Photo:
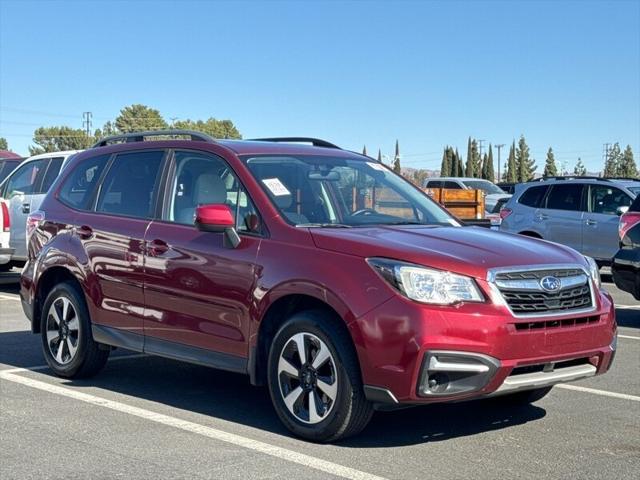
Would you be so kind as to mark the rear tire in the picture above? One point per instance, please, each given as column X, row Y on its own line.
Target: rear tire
column 321, row 398
column 527, row 396
column 67, row 342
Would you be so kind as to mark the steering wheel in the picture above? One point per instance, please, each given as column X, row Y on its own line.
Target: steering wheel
column 364, row 211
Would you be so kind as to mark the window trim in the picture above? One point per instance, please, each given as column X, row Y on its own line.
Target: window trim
column 46, row 172
column 90, row 201
column 165, row 202
column 543, row 199
column 96, row 194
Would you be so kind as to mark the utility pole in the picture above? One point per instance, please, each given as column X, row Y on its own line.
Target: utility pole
column 480, row 147
column 499, row 147
column 86, row 122
column 605, row 155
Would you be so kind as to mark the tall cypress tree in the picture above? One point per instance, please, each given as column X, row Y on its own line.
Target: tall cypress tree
column 484, row 167
column 474, row 163
column 364, row 150
column 612, row 161
column 511, row 172
column 491, row 174
column 550, row 168
column 469, row 167
column 460, row 162
column 627, row 166
column 396, row 160
column 526, row 165
column 445, row 166
column 453, row 170
column 379, row 156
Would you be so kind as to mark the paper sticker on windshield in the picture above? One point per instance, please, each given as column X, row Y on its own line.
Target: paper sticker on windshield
column 276, row 187
column 376, row 166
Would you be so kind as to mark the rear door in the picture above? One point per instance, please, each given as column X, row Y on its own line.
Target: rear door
column 562, row 217
column 50, row 175
column 600, row 227
column 112, row 235
column 18, row 191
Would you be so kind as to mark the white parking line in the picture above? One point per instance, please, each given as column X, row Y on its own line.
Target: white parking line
column 628, row 307
column 46, row 367
column 604, row 393
column 220, row 435
column 15, row 298
column 628, row 336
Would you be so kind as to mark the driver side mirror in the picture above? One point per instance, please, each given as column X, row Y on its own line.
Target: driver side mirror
column 217, row 218
column 622, row 210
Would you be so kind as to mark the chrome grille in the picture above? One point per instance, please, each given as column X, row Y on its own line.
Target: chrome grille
column 522, row 291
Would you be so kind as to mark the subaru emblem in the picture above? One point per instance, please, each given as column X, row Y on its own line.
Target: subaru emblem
column 550, row 284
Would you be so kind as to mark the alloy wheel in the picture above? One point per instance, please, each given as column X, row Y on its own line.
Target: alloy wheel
column 308, row 379
column 63, row 334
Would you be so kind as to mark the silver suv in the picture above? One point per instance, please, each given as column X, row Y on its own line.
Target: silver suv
column 581, row 212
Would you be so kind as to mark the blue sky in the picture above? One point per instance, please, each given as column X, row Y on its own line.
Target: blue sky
column 564, row 74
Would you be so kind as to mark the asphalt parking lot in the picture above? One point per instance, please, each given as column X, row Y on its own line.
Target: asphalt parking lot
column 146, row 417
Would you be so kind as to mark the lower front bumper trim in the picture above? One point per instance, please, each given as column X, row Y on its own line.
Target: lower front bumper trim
column 530, row 381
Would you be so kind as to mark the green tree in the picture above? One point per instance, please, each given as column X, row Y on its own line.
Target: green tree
column 55, row 139
column 526, row 164
column 364, row 150
column 484, row 167
column 3, row 144
column 627, row 166
column 469, row 167
column 420, row 177
column 447, row 159
column 454, row 165
column 379, row 156
column 460, row 163
column 137, row 118
column 550, row 168
column 474, row 162
column 511, row 172
column 396, row 160
column 212, row 127
column 580, row 170
column 611, row 164
column 491, row 173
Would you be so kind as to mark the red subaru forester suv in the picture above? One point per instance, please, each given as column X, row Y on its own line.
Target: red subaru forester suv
column 316, row 271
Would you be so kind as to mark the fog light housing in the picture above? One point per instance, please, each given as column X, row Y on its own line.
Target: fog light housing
column 447, row 373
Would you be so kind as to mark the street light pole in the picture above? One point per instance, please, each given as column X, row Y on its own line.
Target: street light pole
column 499, row 147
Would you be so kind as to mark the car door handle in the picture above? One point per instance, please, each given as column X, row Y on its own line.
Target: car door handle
column 542, row 216
column 84, row 232
column 26, row 208
column 156, row 247
column 591, row 222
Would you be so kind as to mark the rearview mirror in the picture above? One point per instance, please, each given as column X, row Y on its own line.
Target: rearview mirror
column 622, row 210
column 218, row 217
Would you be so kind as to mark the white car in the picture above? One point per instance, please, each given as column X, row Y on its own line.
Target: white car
column 20, row 194
column 493, row 193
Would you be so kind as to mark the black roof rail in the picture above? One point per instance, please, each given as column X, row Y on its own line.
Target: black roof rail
column 140, row 136
column 316, row 142
column 567, row 177
column 632, row 179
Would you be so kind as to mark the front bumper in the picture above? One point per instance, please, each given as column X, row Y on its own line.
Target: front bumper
column 478, row 350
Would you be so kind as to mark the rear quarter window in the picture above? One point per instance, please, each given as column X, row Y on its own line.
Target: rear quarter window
column 532, row 197
column 79, row 186
column 635, row 206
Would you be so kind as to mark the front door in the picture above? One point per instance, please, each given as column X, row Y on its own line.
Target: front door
column 19, row 190
column 198, row 292
column 561, row 220
column 600, row 227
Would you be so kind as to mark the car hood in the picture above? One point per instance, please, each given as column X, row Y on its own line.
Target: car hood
column 465, row 250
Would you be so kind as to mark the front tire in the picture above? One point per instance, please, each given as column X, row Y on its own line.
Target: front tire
column 65, row 327
column 314, row 379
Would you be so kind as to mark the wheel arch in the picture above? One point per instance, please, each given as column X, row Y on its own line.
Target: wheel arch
column 530, row 233
column 47, row 280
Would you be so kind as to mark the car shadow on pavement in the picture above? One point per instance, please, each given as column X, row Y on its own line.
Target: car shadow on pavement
column 230, row 397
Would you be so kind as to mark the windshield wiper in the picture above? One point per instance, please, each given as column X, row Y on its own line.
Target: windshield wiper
column 405, row 223
column 324, row 225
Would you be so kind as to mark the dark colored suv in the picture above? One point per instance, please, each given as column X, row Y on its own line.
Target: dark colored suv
column 626, row 263
column 316, row 271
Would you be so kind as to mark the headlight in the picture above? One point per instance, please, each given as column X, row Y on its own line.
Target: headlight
column 594, row 271
column 427, row 285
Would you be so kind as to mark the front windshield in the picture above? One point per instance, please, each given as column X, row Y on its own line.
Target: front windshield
column 635, row 190
column 324, row 191
column 488, row 187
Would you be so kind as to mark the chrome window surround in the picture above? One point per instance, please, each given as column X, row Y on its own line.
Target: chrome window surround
column 497, row 294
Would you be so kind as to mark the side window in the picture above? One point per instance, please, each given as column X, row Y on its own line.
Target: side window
column 607, row 200
column 532, row 197
column 25, row 179
column 79, row 186
column 565, row 197
column 52, row 173
column 434, row 184
column 452, row 185
column 130, row 184
column 203, row 179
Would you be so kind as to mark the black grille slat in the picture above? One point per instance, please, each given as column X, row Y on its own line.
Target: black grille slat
column 526, row 301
